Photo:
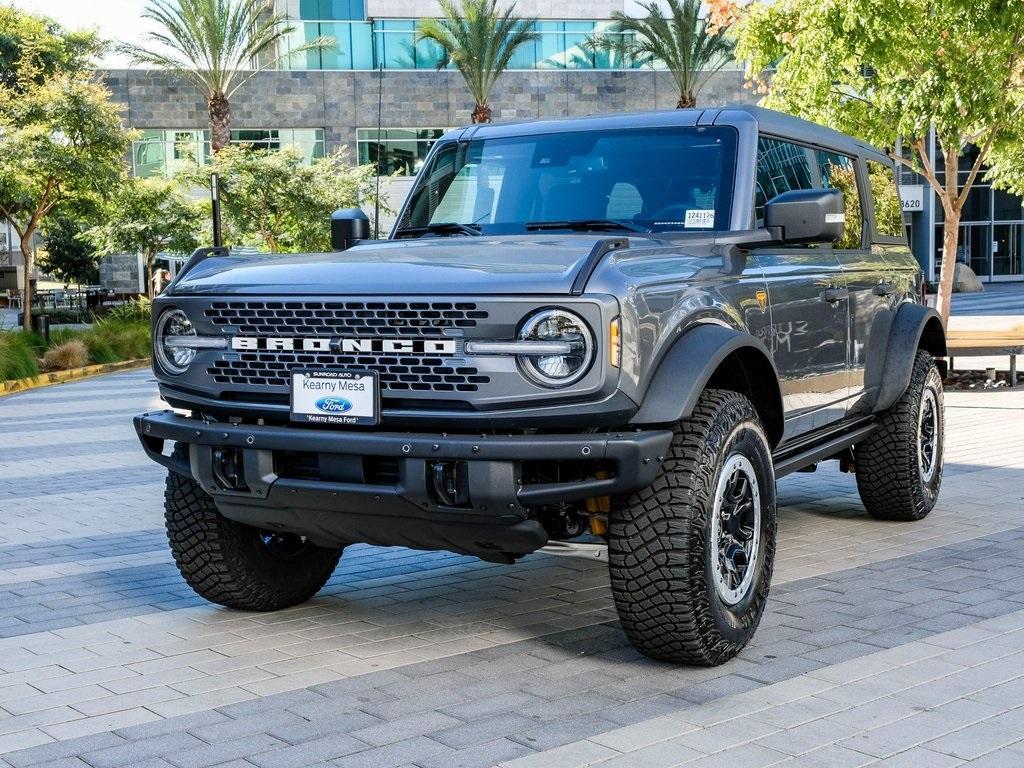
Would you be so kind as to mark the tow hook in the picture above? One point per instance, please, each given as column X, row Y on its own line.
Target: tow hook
column 450, row 483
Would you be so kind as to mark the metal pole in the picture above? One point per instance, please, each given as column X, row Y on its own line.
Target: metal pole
column 380, row 145
column 215, row 199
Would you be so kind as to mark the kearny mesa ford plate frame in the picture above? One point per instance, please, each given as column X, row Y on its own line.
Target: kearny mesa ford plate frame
column 334, row 396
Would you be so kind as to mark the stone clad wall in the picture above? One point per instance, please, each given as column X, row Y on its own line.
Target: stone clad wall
column 342, row 101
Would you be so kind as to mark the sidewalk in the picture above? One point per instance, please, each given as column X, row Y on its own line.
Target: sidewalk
column 882, row 644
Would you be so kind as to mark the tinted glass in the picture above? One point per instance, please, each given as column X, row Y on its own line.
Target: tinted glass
column 661, row 179
column 839, row 172
column 781, row 166
column 885, row 197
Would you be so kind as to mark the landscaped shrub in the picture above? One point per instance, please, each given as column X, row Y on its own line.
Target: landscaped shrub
column 138, row 311
column 110, row 340
column 99, row 350
column 70, row 354
column 17, row 355
column 126, row 340
column 64, row 316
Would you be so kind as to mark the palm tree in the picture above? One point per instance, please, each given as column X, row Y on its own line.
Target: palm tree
column 681, row 41
column 218, row 46
column 480, row 40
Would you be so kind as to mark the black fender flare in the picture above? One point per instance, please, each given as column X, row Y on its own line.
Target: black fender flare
column 914, row 327
column 691, row 364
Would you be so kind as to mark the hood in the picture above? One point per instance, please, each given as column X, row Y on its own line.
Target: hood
column 513, row 264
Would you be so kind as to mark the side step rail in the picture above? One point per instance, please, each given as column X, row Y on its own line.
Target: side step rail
column 788, row 462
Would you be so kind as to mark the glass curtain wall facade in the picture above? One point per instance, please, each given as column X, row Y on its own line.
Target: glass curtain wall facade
column 390, row 43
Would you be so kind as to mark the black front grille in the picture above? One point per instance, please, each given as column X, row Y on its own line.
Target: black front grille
column 397, row 373
column 342, row 318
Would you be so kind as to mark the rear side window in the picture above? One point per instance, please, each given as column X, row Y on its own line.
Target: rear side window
column 781, row 167
column 839, row 172
column 885, row 197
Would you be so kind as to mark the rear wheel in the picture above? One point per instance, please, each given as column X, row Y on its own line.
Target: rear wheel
column 234, row 564
column 691, row 557
column 899, row 465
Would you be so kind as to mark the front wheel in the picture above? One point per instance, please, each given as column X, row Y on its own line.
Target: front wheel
column 691, row 557
column 234, row 564
column 899, row 465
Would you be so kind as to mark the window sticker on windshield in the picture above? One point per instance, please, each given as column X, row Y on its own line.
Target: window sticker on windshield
column 700, row 218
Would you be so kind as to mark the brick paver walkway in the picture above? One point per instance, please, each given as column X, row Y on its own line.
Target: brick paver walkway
column 882, row 642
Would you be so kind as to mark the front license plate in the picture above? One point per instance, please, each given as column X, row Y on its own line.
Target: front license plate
column 335, row 397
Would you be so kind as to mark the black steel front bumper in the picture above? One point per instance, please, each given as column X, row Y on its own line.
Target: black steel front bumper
column 494, row 522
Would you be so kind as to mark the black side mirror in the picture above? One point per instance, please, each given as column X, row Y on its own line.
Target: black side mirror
column 348, row 225
column 806, row 216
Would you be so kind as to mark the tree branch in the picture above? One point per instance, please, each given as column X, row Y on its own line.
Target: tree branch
column 982, row 154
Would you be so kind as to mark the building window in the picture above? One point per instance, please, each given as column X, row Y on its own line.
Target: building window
column 392, row 44
column 336, row 10
column 400, row 150
column 165, row 152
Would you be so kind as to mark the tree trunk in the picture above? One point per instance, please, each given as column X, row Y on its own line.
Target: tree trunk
column 150, row 288
column 950, row 240
column 686, row 101
column 220, row 122
column 26, row 258
column 950, row 234
column 482, row 113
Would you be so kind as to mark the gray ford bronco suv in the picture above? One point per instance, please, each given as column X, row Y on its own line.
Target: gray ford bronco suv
column 606, row 336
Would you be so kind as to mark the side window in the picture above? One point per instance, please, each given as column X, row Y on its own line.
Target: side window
column 781, row 166
column 839, row 172
column 885, row 196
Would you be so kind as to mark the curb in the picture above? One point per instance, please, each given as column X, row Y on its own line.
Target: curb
column 59, row 377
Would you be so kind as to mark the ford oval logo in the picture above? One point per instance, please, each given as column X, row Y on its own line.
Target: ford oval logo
column 333, row 405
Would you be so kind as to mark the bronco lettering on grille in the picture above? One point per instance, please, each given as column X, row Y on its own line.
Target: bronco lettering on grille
column 344, row 346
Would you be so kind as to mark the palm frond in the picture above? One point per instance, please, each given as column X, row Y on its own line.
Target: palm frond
column 218, row 45
column 479, row 39
column 679, row 40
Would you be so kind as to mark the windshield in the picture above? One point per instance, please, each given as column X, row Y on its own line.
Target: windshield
column 639, row 179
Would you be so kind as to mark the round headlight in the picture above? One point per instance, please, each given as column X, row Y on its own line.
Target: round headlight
column 560, row 326
column 170, row 328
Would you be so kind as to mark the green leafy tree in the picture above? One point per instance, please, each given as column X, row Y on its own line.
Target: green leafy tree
column 218, row 46
column 34, row 48
column 278, row 202
column 683, row 42
column 149, row 216
column 479, row 38
column 890, row 73
column 67, row 254
column 61, row 140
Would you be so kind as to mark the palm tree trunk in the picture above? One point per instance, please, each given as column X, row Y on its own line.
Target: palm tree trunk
column 686, row 101
column 482, row 113
column 220, row 122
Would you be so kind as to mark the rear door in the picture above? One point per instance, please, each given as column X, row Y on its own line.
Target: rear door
column 809, row 306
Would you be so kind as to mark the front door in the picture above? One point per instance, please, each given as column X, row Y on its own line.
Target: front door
column 809, row 311
column 808, row 299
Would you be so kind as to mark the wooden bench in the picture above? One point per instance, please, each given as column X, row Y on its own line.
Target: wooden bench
column 987, row 344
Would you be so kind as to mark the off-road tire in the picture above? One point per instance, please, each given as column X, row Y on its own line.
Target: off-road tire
column 659, row 540
column 227, row 562
column 888, row 462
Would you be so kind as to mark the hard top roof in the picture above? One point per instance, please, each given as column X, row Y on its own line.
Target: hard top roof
column 767, row 121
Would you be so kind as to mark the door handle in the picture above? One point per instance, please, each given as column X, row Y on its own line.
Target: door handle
column 884, row 289
column 834, row 295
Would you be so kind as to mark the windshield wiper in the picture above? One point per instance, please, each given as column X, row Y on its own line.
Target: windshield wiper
column 441, row 228
column 585, row 225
